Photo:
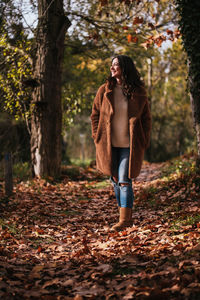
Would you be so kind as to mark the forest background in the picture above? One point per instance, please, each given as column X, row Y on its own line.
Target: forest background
column 55, row 238
column 145, row 30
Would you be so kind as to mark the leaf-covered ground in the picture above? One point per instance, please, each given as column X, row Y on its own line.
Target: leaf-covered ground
column 56, row 242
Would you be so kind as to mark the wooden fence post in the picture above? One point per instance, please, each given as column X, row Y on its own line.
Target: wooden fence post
column 8, row 174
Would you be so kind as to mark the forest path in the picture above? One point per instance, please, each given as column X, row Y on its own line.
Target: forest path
column 56, row 241
column 150, row 172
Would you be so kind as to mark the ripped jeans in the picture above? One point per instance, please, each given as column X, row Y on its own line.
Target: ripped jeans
column 120, row 167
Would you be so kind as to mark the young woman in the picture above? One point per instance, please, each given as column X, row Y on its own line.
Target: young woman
column 121, row 124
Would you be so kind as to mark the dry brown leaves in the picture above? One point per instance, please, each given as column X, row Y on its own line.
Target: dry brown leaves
column 56, row 243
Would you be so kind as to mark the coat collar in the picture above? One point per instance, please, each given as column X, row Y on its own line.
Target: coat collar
column 108, row 90
column 137, row 93
column 135, row 104
column 109, row 94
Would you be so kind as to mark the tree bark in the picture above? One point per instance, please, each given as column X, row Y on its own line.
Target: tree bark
column 190, row 26
column 195, row 105
column 46, row 122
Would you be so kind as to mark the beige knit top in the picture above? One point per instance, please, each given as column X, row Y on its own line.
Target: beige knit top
column 119, row 124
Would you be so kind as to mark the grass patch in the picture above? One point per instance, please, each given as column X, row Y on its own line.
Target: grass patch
column 21, row 171
column 192, row 220
column 80, row 163
column 180, row 181
column 185, row 220
column 37, row 241
column 99, row 185
column 185, row 164
column 10, row 227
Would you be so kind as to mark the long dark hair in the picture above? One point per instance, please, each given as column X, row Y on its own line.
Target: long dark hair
column 130, row 75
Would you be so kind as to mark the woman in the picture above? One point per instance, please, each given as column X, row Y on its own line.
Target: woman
column 121, row 124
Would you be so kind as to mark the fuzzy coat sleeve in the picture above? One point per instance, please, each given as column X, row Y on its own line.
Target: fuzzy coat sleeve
column 96, row 110
column 146, row 123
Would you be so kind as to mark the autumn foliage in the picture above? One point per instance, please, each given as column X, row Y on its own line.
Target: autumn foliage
column 56, row 243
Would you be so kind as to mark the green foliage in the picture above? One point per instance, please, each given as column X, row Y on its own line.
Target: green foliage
column 15, row 61
column 80, row 162
column 99, row 185
column 16, row 64
column 180, row 166
column 7, row 226
column 91, row 45
column 84, row 70
column 21, row 171
column 81, row 77
column 172, row 130
column 185, row 221
column 112, row 25
column 170, row 103
column 179, row 173
column 100, row 29
column 16, row 68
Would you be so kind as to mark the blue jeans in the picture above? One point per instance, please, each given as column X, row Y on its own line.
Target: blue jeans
column 120, row 167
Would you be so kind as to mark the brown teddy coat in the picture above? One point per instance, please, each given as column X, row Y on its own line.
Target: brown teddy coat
column 139, row 129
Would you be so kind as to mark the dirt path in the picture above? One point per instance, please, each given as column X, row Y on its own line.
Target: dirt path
column 56, row 242
column 150, row 172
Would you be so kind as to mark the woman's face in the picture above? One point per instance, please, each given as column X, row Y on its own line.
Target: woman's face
column 115, row 69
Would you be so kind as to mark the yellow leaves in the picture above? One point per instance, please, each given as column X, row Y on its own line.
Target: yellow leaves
column 82, row 65
column 16, row 65
column 3, row 41
column 94, row 64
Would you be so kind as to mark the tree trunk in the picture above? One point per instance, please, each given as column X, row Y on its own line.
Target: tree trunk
column 189, row 26
column 195, row 104
column 46, row 120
